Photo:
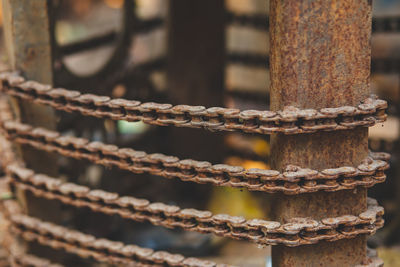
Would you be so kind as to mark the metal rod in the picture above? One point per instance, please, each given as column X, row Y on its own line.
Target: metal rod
column 320, row 57
column 27, row 34
column 26, row 26
column 195, row 69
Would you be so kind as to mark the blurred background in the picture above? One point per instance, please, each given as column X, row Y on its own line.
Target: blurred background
column 90, row 34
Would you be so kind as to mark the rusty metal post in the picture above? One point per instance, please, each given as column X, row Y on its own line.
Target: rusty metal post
column 195, row 75
column 320, row 57
column 27, row 34
column 196, row 68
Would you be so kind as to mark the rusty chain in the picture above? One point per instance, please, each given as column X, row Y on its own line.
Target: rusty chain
column 298, row 231
column 87, row 246
column 294, row 180
column 290, row 120
column 15, row 253
column 27, row 260
column 101, row 250
column 7, row 155
column 18, row 258
column 104, row 250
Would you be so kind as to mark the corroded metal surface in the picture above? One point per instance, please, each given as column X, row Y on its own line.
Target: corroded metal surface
column 28, row 42
column 320, row 57
column 298, row 231
column 251, row 59
column 289, row 120
column 102, row 250
column 261, row 22
column 27, row 260
column 26, row 28
column 291, row 180
column 320, row 53
column 320, row 80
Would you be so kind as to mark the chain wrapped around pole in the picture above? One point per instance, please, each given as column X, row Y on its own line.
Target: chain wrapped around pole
column 299, row 231
column 290, row 120
column 294, row 180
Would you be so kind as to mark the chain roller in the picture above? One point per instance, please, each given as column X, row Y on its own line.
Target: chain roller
column 102, row 250
column 294, row 180
column 27, row 260
column 6, row 156
column 299, row 231
column 291, row 120
column 83, row 245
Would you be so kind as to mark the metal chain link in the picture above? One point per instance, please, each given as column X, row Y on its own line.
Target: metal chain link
column 296, row 232
column 14, row 252
column 102, row 250
column 28, row 260
column 7, row 155
column 294, row 180
column 87, row 246
column 290, row 120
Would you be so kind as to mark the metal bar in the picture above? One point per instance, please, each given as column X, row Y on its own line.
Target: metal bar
column 88, row 44
column 143, row 27
column 28, row 42
column 320, row 57
column 196, row 67
column 27, row 33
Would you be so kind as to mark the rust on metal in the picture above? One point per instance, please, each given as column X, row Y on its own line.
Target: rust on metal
column 364, row 112
column 321, row 108
column 102, row 250
column 297, row 231
column 291, row 180
column 320, row 58
column 28, row 42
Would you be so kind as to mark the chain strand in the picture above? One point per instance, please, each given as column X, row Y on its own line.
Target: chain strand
column 102, row 250
column 28, row 260
column 290, row 120
column 87, row 246
column 294, row 180
column 299, row 231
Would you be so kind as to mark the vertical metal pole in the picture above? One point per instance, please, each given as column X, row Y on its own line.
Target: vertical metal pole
column 27, row 34
column 195, row 74
column 320, row 57
column 196, row 68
